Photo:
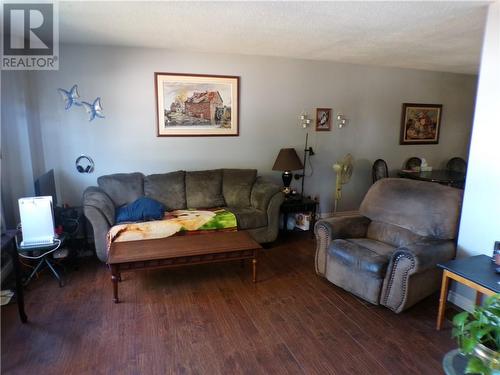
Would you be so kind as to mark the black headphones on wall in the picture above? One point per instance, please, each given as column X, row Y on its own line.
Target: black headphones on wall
column 87, row 167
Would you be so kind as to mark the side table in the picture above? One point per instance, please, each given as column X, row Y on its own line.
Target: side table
column 477, row 272
column 295, row 205
column 9, row 245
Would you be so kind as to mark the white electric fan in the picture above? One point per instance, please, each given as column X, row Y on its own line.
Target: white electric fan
column 343, row 170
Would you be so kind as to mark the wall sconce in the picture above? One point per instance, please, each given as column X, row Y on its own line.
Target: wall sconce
column 304, row 119
column 341, row 120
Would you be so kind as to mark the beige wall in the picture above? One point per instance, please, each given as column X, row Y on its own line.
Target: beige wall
column 273, row 93
column 480, row 224
column 480, row 221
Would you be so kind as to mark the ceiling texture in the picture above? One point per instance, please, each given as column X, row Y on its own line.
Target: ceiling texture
column 430, row 35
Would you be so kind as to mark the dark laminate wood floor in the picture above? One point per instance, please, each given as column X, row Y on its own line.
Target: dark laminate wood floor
column 212, row 319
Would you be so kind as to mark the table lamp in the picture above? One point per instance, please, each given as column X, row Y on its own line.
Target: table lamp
column 287, row 161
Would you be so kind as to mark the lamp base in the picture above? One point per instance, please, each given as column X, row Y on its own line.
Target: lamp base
column 287, row 179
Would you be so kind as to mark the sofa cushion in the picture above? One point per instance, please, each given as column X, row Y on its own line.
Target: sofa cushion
column 204, row 189
column 122, row 188
column 142, row 209
column 249, row 217
column 362, row 254
column 167, row 188
column 237, row 186
column 262, row 193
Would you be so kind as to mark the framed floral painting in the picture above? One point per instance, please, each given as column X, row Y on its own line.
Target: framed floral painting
column 420, row 124
column 197, row 105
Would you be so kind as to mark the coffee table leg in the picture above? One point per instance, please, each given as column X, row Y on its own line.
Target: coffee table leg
column 114, row 279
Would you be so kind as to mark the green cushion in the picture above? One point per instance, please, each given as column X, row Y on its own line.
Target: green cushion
column 249, row 217
column 204, row 189
column 167, row 188
column 237, row 186
column 122, row 188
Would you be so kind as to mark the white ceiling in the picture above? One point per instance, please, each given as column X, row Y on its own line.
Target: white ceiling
column 440, row 36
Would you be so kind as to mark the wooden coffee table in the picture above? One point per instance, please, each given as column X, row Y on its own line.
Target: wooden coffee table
column 180, row 251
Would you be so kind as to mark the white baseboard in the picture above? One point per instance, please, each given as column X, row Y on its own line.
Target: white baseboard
column 460, row 301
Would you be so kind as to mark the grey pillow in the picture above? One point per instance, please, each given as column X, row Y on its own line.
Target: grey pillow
column 122, row 188
column 237, row 186
column 167, row 188
column 204, row 189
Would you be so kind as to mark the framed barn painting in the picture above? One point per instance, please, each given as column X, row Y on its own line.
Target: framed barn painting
column 323, row 119
column 420, row 124
column 197, row 105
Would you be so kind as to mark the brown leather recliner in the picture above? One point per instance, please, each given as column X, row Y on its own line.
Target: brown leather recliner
column 388, row 254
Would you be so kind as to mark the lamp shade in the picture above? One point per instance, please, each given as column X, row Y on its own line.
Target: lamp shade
column 287, row 160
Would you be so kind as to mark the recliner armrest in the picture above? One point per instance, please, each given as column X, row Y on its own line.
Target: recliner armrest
column 98, row 199
column 409, row 261
column 336, row 227
column 427, row 254
column 343, row 227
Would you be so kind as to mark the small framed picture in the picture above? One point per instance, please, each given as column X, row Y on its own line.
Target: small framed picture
column 420, row 124
column 323, row 119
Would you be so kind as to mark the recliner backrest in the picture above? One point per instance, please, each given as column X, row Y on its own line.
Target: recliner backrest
column 391, row 234
column 424, row 208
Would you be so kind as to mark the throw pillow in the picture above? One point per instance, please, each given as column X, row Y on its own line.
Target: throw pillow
column 142, row 209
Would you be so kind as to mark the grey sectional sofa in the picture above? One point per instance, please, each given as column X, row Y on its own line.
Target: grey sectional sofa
column 255, row 202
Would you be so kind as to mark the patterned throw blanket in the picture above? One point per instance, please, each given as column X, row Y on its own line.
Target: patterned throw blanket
column 173, row 223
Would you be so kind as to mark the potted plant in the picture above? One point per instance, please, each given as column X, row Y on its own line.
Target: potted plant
column 478, row 336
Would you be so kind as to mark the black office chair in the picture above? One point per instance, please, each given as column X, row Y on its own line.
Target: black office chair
column 413, row 163
column 379, row 170
column 456, row 164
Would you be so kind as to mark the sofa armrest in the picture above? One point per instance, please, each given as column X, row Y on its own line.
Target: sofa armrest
column 273, row 216
column 329, row 229
column 100, row 211
column 408, row 260
column 262, row 192
column 98, row 199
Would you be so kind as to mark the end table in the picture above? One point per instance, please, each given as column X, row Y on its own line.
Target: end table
column 476, row 272
column 299, row 204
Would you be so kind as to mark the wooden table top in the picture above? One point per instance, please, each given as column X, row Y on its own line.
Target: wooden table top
column 439, row 175
column 479, row 269
column 180, row 246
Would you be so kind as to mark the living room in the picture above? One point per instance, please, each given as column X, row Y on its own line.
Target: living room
column 360, row 62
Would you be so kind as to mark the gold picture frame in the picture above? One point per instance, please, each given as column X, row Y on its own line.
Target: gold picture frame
column 196, row 105
column 420, row 124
